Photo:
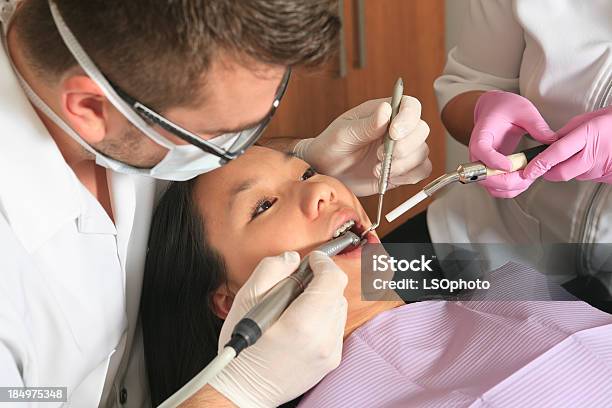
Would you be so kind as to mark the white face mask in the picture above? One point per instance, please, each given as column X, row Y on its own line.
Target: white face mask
column 181, row 162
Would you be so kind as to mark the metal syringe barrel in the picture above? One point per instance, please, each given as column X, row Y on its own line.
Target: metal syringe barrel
column 477, row 171
column 250, row 328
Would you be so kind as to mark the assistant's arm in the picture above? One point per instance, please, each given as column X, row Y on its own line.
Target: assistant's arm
column 458, row 115
column 487, row 57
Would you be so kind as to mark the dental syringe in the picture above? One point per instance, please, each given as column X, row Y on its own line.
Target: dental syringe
column 465, row 173
column 261, row 316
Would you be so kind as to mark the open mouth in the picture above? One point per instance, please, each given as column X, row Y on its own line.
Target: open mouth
column 353, row 226
column 343, row 228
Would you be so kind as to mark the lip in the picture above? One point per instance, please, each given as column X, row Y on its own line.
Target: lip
column 370, row 238
column 343, row 216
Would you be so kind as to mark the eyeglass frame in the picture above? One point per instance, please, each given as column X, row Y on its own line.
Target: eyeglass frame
column 151, row 115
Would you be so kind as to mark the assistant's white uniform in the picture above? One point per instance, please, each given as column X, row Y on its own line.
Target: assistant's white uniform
column 70, row 278
column 558, row 54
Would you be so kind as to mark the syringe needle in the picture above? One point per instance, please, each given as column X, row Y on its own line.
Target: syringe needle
column 378, row 216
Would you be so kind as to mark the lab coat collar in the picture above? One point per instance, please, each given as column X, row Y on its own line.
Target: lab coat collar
column 39, row 192
column 92, row 218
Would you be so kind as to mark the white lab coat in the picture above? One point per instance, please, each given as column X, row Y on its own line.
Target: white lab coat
column 70, row 278
column 558, row 54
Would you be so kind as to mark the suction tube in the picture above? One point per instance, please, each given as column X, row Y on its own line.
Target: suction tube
column 465, row 173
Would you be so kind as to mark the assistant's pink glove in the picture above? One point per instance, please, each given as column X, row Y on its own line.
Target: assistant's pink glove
column 500, row 121
column 583, row 151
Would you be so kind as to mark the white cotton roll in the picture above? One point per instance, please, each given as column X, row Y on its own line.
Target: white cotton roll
column 406, row 205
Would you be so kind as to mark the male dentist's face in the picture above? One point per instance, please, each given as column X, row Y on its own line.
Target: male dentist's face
column 236, row 96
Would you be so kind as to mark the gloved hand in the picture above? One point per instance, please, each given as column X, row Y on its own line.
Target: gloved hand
column 300, row 348
column 500, row 121
column 583, row 151
column 350, row 149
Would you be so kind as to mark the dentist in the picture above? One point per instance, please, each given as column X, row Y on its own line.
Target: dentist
column 101, row 98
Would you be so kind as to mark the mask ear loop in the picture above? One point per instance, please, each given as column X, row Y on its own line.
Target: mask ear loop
column 90, row 68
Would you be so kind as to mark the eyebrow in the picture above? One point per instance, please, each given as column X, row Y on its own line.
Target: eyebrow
column 248, row 184
column 240, row 188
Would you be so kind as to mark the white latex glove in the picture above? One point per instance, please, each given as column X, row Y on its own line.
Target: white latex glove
column 300, row 348
column 350, row 149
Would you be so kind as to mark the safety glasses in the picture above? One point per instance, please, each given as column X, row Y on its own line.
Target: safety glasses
column 143, row 117
column 242, row 140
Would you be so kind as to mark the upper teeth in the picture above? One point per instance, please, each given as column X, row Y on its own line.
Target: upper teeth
column 343, row 228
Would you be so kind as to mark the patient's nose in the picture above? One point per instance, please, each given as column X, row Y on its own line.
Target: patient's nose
column 317, row 197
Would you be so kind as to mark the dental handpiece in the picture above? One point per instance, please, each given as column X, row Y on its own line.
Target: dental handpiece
column 250, row 328
column 388, row 145
column 465, row 173
column 259, row 318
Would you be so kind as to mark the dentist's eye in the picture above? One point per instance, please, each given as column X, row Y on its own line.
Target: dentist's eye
column 308, row 174
column 262, row 206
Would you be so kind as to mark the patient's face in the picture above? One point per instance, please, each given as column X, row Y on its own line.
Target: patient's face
column 265, row 203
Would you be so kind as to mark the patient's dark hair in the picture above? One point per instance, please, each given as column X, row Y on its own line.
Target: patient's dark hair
column 182, row 271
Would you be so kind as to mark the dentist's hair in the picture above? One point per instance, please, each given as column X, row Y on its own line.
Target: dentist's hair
column 159, row 51
column 182, row 272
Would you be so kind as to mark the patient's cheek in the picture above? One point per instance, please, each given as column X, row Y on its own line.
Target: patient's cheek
column 238, row 275
column 235, row 284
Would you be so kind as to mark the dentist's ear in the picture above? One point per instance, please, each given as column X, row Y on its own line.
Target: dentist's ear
column 222, row 301
column 85, row 108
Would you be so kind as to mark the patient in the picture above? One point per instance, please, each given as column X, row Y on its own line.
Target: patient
column 207, row 236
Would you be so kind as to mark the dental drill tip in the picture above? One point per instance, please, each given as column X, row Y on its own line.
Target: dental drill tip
column 355, row 239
